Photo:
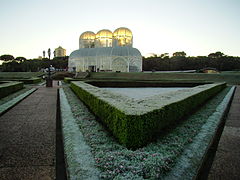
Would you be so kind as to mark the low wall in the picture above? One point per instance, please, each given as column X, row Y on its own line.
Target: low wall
column 136, row 122
column 8, row 87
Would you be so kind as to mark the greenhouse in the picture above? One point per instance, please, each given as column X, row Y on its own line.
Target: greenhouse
column 106, row 51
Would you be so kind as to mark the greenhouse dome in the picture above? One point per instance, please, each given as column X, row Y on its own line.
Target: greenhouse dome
column 122, row 37
column 98, row 53
column 87, row 39
column 103, row 38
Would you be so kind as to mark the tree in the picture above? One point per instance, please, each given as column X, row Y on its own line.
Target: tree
column 6, row 57
column 164, row 55
column 49, row 53
column 20, row 59
column 181, row 54
column 217, row 54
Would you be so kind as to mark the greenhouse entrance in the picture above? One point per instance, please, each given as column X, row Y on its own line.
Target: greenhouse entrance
column 119, row 65
column 92, row 68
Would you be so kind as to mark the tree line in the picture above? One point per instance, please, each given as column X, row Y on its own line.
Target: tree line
column 179, row 61
column 163, row 62
column 21, row 64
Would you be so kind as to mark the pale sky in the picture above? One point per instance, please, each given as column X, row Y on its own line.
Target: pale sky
column 198, row 27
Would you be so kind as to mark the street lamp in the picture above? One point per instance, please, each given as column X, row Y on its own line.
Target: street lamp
column 49, row 79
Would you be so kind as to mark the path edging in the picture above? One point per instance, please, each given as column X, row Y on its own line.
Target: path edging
column 10, row 104
column 188, row 164
column 80, row 163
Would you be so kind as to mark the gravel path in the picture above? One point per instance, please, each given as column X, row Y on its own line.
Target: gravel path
column 27, row 137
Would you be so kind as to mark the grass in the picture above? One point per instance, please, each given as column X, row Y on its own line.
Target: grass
column 153, row 161
column 20, row 75
column 228, row 76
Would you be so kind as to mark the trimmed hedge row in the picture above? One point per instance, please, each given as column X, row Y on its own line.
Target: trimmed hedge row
column 9, row 88
column 33, row 80
column 128, row 83
column 137, row 122
column 68, row 79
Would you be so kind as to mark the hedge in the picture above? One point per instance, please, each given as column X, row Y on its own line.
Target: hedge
column 9, row 87
column 136, row 122
column 32, row 80
column 67, row 79
column 136, row 83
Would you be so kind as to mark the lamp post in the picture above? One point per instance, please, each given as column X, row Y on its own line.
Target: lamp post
column 49, row 79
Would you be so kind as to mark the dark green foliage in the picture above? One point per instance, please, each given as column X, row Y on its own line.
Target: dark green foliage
column 20, row 59
column 180, row 62
column 137, row 83
column 179, row 54
column 20, row 64
column 25, row 77
column 229, row 77
column 135, row 131
column 6, row 57
column 62, row 75
column 9, row 88
column 33, row 80
column 68, row 79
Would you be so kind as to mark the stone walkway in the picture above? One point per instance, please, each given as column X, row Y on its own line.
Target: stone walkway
column 226, row 164
column 27, row 137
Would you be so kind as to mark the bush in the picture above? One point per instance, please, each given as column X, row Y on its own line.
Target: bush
column 9, row 88
column 62, row 75
column 136, row 122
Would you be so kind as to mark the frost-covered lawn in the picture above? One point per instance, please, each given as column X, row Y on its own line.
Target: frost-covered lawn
column 152, row 161
column 141, row 93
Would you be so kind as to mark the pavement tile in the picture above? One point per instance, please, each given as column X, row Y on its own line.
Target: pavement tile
column 28, row 137
column 226, row 163
column 11, row 124
column 20, row 138
column 233, row 123
column 19, row 156
column 226, row 166
column 28, row 173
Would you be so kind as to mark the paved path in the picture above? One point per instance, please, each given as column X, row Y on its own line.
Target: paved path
column 226, row 164
column 27, row 138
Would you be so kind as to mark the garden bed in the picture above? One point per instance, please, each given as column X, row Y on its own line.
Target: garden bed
column 25, row 77
column 154, row 161
column 32, row 80
column 137, row 122
column 8, row 102
column 8, row 87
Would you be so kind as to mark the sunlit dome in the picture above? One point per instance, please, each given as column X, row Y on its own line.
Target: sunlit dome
column 122, row 37
column 104, row 38
column 88, row 35
column 87, row 39
column 105, row 33
column 106, row 51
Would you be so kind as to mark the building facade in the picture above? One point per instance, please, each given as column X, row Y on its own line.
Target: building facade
column 59, row 52
column 106, row 51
